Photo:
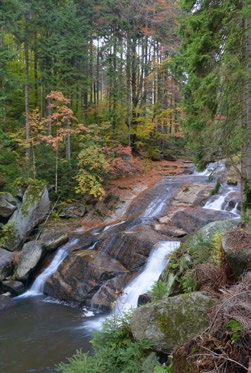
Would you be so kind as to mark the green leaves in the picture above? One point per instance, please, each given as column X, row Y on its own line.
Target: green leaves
column 114, row 350
column 235, row 328
column 211, row 60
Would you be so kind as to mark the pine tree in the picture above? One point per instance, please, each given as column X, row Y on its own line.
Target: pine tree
column 214, row 63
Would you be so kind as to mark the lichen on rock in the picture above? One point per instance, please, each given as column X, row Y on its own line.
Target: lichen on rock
column 171, row 322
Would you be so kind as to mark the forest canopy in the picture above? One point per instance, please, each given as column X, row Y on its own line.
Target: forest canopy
column 79, row 77
column 86, row 84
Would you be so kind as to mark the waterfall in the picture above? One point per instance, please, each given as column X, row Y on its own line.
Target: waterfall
column 38, row 285
column 141, row 284
column 144, row 281
column 212, row 169
column 216, row 204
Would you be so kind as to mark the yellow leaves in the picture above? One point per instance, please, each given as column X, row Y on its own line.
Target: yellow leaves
column 90, row 184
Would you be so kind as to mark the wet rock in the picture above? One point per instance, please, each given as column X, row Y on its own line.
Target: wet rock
column 171, row 322
column 14, row 287
column 237, row 247
column 108, row 294
column 8, row 204
column 191, row 219
column 81, row 275
column 52, row 240
column 169, row 230
column 192, row 195
column 6, row 302
column 5, row 263
column 144, row 299
column 34, row 208
column 232, row 201
column 30, row 256
column 132, row 247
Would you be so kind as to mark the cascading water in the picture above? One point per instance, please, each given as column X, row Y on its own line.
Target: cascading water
column 144, row 281
column 212, row 169
column 141, row 284
column 33, row 322
column 219, row 202
column 38, row 285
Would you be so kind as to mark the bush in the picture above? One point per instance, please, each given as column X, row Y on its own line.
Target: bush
column 115, row 350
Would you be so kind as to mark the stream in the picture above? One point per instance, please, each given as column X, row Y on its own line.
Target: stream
column 41, row 331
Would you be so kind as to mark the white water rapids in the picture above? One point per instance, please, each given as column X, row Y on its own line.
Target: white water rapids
column 141, row 284
column 144, row 281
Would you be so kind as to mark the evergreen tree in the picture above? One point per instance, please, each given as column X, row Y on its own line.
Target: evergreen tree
column 214, row 63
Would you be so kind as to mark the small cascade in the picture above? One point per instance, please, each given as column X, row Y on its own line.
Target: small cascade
column 235, row 209
column 106, row 228
column 212, row 169
column 38, row 285
column 141, row 284
column 216, row 204
column 144, row 281
column 154, row 208
column 221, row 203
column 113, row 225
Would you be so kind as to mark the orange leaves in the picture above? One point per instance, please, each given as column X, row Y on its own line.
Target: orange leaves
column 58, row 97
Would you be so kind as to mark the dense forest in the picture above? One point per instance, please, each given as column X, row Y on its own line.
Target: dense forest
column 86, row 83
column 91, row 91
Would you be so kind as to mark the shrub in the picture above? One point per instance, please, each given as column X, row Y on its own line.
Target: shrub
column 115, row 350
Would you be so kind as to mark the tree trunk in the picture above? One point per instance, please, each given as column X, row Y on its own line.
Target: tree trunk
column 26, row 93
column 246, row 151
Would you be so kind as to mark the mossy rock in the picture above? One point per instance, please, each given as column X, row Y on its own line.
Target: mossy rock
column 171, row 322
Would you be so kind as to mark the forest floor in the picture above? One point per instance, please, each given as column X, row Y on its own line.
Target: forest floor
column 121, row 192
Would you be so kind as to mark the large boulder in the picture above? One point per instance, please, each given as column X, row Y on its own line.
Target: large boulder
column 195, row 250
column 30, row 256
column 206, row 233
column 35, row 206
column 132, row 247
column 13, row 287
column 107, row 295
column 237, row 247
column 192, row 195
column 192, row 219
column 51, row 240
column 5, row 263
column 8, row 204
column 81, row 275
column 171, row 322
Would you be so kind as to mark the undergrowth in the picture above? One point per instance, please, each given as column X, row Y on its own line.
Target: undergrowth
column 224, row 347
column 115, row 351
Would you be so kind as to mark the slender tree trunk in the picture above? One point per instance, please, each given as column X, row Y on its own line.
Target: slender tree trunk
column 246, row 151
column 128, row 89
column 68, row 140
column 35, row 73
column 26, row 93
